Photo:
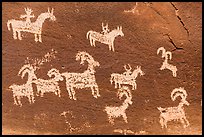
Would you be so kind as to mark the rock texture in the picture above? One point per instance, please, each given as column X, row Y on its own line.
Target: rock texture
column 176, row 26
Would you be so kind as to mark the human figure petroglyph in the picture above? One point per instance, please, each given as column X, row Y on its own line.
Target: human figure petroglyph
column 19, row 26
column 175, row 113
column 129, row 77
column 105, row 29
column 27, row 16
column 26, row 89
column 50, row 85
column 106, row 38
column 82, row 80
column 115, row 112
column 166, row 65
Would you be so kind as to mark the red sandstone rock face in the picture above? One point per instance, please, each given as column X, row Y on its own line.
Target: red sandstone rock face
column 154, row 25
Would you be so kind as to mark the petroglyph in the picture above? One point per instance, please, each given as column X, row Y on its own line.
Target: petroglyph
column 128, row 131
column 105, row 36
column 115, row 112
column 26, row 89
column 19, row 26
column 133, row 10
column 50, row 85
column 128, row 77
column 165, row 64
column 175, row 113
column 82, row 80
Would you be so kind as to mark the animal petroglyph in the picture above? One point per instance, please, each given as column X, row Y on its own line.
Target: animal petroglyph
column 106, row 37
column 19, row 26
column 50, row 85
column 114, row 112
column 133, row 10
column 26, row 89
column 128, row 131
column 175, row 113
column 82, row 80
column 165, row 64
column 127, row 77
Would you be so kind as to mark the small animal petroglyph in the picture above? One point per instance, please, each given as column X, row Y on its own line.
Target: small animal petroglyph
column 165, row 64
column 175, row 113
column 115, row 112
column 127, row 77
column 19, row 26
column 105, row 37
column 82, row 80
column 133, row 10
column 26, row 89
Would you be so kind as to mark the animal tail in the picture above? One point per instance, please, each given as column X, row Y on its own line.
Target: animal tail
column 87, row 34
column 111, row 79
column 161, row 109
column 8, row 24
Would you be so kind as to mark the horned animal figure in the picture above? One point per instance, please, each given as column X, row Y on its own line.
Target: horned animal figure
column 51, row 85
column 175, row 113
column 115, row 112
column 127, row 77
column 165, row 64
column 26, row 89
column 19, row 26
column 106, row 38
column 82, row 80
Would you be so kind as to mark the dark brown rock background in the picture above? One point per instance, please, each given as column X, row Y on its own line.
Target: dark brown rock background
column 144, row 34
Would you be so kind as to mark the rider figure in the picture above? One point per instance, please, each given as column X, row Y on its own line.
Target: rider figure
column 128, row 72
column 105, row 29
column 27, row 16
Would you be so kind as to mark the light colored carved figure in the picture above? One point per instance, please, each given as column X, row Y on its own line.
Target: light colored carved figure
column 175, row 113
column 115, row 112
column 26, row 89
column 105, row 29
column 127, row 77
column 133, row 10
column 50, row 85
column 27, row 16
column 82, row 80
column 19, row 26
column 106, row 38
column 165, row 64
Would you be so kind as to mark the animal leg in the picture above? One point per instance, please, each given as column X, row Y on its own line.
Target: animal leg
column 91, row 41
column 111, row 120
column 94, row 43
column 14, row 34
column 19, row 35
column 187, row 122
column 36, row 39
column 112, row 47
column 19, row 101
column 73, row 93
column 15, row 101
column 125, row 117
column 40, row 38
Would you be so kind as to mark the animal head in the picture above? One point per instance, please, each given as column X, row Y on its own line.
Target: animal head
column 180, row 92
column 28, row 69
column 120, row 32
column 140, row 71
column 56, row 73
column 50, row 14
column 163, row 51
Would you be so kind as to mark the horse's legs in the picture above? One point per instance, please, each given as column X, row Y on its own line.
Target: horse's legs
column 14, row 34
column 109, row 46
column 19, row 35
column 73, row 93
column 187, row 122
column 125, row 117
column 91, row 41
column 19, row 101
column 94, row 44
column 15, row 101
column 36, row 39
column 112, row 47
column 40, row 38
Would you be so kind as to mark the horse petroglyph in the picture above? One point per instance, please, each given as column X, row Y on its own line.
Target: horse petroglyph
column 82, row 80
column 127, row 77
column 165, row 64
column 19, row 26
column 175, row 113
column 114, row 112
column 105, row 36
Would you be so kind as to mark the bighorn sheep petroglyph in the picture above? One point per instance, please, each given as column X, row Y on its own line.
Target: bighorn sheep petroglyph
column 165, row 64
column 50, row 85
column 27, row 26
column 105, row 38
column 26, row 89
column 127, row 77
column 114, row 112
column 175, row 113
column 82, row 80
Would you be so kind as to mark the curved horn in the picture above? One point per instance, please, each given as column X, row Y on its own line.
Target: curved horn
column 163, row 51
column 130, row 68
column 52, row 10
column 48, row 10
column 52, row 71
column 27, row 66
column 178, row 92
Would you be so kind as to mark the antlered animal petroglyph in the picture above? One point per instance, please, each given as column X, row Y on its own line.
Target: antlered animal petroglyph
column 26, row 89
column 19, row 26
column 175, row 113
column 106, row 37
column 82, row 80
column 114, row 112
column 165, row 64
column 127, row 77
